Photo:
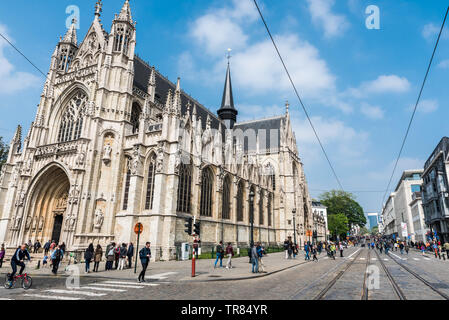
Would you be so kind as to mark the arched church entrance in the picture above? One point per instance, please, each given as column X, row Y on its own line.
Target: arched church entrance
column 47, row 206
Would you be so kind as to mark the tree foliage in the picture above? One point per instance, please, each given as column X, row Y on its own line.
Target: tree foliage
column 342, row 202
column 338, row 224
column 375, row 230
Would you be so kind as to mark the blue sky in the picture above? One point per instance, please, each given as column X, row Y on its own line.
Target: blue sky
column 359, row 85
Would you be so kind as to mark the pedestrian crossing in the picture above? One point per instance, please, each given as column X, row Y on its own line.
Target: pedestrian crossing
column 385, row 259
column 96, row 290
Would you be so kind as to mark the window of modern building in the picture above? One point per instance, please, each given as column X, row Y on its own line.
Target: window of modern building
column 416, row 188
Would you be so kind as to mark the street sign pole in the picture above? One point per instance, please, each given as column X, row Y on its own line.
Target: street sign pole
column 137, row 253
column 193, row 260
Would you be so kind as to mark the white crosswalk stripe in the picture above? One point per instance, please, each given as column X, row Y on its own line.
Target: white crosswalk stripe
column 374, row 259
column 416, row 259
column 362, row 258
column 52, row 297
column 385, row 259
column 426, row 259
column 161, row 276
column 119, row 286
column 132, row 283
column 90, row 287
column 76, row 292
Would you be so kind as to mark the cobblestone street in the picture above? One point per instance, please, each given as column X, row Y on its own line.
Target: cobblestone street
column 293, row 279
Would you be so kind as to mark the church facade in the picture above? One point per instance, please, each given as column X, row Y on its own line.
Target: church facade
column 115, row 143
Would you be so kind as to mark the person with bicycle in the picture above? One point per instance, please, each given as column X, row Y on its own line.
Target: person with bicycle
column 18, row 260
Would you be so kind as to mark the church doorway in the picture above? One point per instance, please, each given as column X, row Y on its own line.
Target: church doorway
column 47, row 206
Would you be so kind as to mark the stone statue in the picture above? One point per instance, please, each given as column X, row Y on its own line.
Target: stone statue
column 177, row 162
column 80, row 160
column 17, row 221
column 70, row 223
column 21, row 199
column 160, row 160
column 34, row 223
column 99, row 218
column 41, row 223
column 28, row 223
column 107, row 153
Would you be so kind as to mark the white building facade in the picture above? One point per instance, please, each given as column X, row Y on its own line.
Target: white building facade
column 115, row 143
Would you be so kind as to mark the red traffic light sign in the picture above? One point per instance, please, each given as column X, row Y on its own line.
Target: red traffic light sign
column 138, row 228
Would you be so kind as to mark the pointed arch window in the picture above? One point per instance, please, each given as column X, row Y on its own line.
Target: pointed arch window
column 240, row 201
column 271, row 176
column 127, row 184
column 184, row 188
column 150, row 183
column 72, row 119
column 226, row 207
column 207, row 180
column 261, row 213
column 135, row 117
column 269, row 210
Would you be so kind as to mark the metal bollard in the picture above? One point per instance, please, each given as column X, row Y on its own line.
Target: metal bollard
column 38, row 264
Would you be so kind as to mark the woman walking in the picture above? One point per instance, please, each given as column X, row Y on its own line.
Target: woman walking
column 123, row 254
column 97, row 259
column 88, row 255
column 230, row 254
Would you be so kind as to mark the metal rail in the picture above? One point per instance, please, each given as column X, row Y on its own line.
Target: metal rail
column 365, row 291
column 323, row 292
column 417, row 276
column 395, row 286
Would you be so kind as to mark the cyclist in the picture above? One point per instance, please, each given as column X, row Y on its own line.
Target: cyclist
column 17, row 260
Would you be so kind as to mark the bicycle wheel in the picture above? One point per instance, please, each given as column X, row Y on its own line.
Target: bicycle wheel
column 27, row 282
column 8, row 285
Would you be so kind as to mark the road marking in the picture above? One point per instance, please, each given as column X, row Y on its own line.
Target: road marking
column 416, row 259
column 354, row 252
column 132, row 283
column 1, row 299
column 385, row 259
column 374, row 259
column 119, row 286
column 362, row 258
column 396, row 256
column 161, row 275
column 75, row 291
column 426, row 259
column 104, row 289
column 50, row 297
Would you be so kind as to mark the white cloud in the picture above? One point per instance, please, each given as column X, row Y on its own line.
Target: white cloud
column 320, row 10
column 430, row 32
column 372, row 112
column 383, row 84
column 13, row 81
column 444, row 64
column 427, row 106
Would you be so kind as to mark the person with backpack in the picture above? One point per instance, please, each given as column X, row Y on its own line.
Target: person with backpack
column 130, row 254
column 88, row 255
column 230, row 254
column 145, row 256
column 123, row 255
column 56, row 258
column 219, row 254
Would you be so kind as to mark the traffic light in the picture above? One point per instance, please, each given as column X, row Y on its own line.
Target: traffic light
column 197, row 227
column 188, row 226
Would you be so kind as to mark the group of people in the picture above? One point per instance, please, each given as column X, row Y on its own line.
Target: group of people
column 313, row 249
column 436, row 247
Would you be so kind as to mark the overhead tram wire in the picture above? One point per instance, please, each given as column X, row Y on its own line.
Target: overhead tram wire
column 297, row 95
column 416, row 106
column 20, row 52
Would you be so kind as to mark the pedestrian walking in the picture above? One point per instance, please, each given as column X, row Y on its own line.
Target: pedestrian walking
column 97, row 258
column 47, row 247
column 110, row 257
column 2, row 254
column 286, row 245
column 260, row 253
column 44, row 261
column 130, row 254
column 37, row 246
column 446, row 248
column 401, row 247
column 123, row 255
column 116, row 256
column 88, row 255
column 56, row 258
column 341, row 250
column 406, row 247
column 307, row 251
column 219, row 254
column 145, row 256
column 230, row 254
column 423, row 249
column 314, row 251
column 254, row 260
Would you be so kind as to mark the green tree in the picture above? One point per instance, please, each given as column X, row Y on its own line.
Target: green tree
column 338, row 223
column 375, row 230
column 3, row 152
column 364, row 231
column 338, row 202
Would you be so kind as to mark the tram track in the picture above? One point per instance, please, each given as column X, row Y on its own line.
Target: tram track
column 397, row 290
column 365, row 289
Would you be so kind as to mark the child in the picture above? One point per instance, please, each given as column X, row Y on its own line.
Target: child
column 44, row 262
column 314, row 254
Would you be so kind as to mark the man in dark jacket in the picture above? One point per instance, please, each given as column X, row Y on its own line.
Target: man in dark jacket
column 17, row 260
column 37, row 246
column 144, row 255
column 47, row 247
column 130, row 254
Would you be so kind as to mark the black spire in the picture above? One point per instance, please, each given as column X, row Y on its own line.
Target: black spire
column 227, row 112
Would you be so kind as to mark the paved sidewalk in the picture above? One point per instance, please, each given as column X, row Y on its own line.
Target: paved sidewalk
column 181, row 270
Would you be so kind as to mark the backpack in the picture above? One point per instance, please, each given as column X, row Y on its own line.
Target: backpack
column 57, row 254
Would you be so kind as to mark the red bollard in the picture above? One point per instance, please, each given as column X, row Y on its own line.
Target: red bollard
column 193, row 265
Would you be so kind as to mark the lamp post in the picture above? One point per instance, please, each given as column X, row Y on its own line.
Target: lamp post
column 294, row 225
column 251, row 212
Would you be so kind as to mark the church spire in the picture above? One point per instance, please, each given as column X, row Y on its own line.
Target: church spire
column 125, row 13
column 70, row 36
column 98, row 9
column 227, row 112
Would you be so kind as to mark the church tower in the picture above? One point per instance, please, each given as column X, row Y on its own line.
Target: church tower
column 67, row 48
column 227, row 112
